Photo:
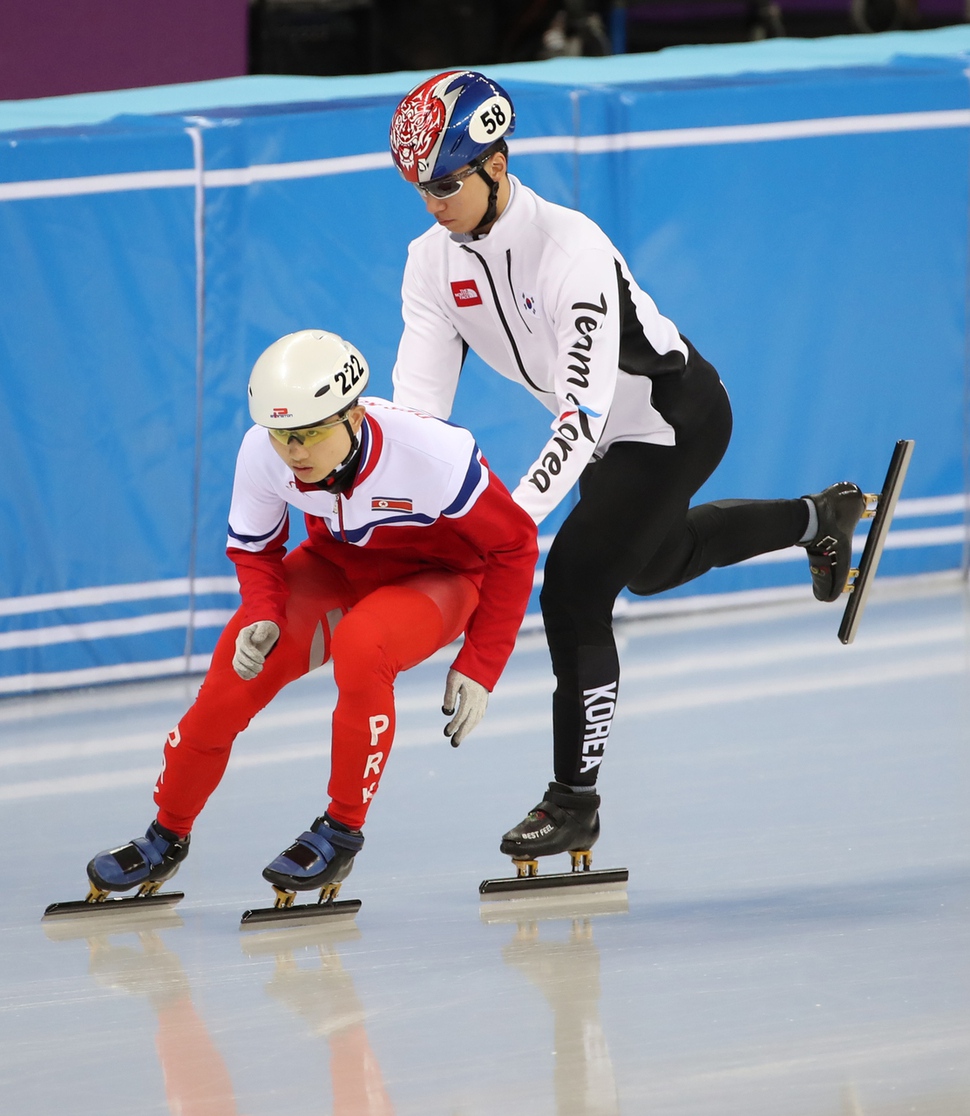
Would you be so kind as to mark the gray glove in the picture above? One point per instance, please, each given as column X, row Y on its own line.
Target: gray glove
column 253, row 644
column 469, row 698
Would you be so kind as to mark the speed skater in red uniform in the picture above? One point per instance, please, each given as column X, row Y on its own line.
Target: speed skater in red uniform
column 412, row 541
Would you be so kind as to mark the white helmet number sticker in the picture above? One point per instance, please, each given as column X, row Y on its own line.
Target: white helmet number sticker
column 491, row 120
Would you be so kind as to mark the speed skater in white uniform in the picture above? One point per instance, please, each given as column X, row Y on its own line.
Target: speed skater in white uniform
column 412, row 541
column 640, row 418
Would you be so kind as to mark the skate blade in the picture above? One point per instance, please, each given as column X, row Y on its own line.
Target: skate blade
column 603, row 879
column 860, row 580
column 339, row 909
column 133, row 907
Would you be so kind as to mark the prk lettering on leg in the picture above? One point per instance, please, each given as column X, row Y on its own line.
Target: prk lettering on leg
column 173, row 740
column 378, row 725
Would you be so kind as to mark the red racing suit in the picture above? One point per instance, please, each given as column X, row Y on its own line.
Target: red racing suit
column 424, row 545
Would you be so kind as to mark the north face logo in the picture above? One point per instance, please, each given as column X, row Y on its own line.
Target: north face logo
column 466, row 293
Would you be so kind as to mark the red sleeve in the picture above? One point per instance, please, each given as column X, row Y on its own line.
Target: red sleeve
column 506, row 537
column 262, row 584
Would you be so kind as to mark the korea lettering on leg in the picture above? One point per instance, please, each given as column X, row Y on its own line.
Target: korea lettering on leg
column 600, row 705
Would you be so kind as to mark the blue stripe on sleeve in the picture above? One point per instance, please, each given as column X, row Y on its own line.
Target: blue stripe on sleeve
column 259, row 538
column 470, row 483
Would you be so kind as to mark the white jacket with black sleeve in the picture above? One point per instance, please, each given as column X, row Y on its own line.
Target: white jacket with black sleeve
column 547, row 301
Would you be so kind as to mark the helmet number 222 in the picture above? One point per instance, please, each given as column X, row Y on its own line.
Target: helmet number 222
column 349, row 375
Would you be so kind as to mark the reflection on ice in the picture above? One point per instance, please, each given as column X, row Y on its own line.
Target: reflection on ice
column 309, row 978
column 196, row 1077
column 567, row 973
column 542, row 906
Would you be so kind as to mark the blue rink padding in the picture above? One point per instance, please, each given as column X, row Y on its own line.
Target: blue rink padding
column 799, row 209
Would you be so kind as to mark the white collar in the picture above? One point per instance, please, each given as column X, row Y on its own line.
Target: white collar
column 468, row 238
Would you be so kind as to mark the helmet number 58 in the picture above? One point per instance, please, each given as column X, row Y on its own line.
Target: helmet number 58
column 492, row 118
column 490, row 121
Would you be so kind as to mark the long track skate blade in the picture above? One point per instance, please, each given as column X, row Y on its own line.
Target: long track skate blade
column 605, row 879
column 115, row 908
column 561, row 903
column 876, row 540
column 304, row 912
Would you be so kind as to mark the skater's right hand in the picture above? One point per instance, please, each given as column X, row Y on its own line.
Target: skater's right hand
column 253, row 644
column 469, row 698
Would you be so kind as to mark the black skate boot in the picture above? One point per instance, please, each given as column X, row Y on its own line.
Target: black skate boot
column 146, row 863
column 322, row 857
column 840, row 507
column 564, row 821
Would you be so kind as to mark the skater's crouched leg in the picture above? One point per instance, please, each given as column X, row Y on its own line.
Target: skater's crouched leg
column 390, row 630
column 197, row 750
column 576, row 600
column 577, row 610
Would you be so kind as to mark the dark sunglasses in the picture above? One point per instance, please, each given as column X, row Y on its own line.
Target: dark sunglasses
column 448, row 186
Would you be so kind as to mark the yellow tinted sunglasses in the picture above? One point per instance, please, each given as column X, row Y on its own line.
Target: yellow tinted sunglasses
column 307, row 435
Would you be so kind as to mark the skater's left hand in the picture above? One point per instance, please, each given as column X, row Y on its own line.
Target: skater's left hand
column 253, row 644
column 469, row 698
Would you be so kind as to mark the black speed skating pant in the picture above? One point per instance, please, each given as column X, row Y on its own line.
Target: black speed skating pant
column 633, row 527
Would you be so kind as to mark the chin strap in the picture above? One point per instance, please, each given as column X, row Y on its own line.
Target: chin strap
column 492, row 211
column 343, row 476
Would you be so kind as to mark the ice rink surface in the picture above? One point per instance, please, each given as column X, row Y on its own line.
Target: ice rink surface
column 795, row 939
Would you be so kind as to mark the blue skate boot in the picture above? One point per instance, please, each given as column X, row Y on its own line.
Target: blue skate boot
column 146, row 863
column 840, row 507
column 321, row 857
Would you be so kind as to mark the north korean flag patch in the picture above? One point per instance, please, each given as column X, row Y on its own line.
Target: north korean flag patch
column 388, row 503
column 466, row 293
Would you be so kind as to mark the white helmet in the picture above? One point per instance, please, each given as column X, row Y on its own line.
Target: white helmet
column 304, row 378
